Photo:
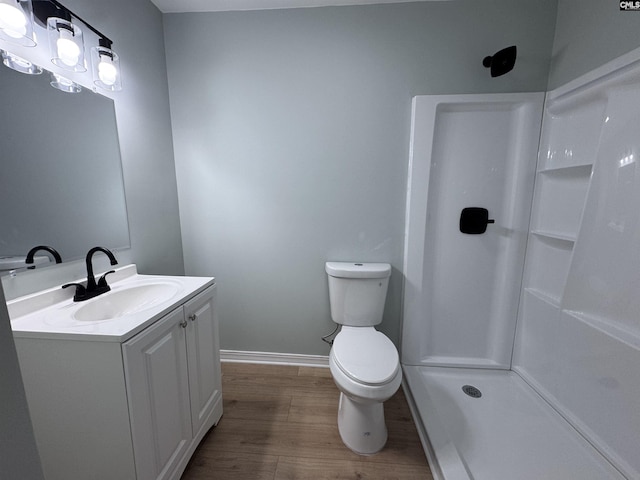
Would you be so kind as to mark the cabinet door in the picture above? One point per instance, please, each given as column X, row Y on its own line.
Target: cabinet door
column 204, row 359
column 157, row 386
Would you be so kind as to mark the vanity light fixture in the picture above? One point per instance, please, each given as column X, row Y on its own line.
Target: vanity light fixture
column 64, row 84
column 19, row 64
column 16, row 22
column 67, row 47
column 66, row 43
column 106, row 66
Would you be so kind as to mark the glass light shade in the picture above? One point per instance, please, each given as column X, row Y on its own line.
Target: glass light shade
column 66, row 44
column 19, row 64
column 64, row 84
column 16, row 22
column 106, row 68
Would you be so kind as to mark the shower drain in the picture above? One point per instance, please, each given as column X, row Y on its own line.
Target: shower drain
column 472, row 391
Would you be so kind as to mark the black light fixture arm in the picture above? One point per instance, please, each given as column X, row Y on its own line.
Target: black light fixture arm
column 43, row 13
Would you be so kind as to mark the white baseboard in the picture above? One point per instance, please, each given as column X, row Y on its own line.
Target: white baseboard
column 270, row 358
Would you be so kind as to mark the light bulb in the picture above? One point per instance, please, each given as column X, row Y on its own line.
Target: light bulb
column 68, row 50
column 107, row 72
column 19, row 64
column 106, row 67
column 13, row 21
column 66, row 44
column 64, row 84
column 19, row 61
column 64, row 81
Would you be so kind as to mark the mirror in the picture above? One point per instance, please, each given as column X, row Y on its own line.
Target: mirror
column 61, row 183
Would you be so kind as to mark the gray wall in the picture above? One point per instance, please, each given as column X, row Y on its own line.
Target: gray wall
column 144, row 126
column 590, row 33
column 291, row 135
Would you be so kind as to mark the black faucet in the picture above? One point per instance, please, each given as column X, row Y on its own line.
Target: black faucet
column 32, row 252
column 93, row 289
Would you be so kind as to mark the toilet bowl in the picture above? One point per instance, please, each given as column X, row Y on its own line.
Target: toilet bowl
column 364, row 363
column 365, row 367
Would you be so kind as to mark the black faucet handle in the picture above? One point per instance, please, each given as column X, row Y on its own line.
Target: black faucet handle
column 102, row 282
column 78, row 286
column 81, row 291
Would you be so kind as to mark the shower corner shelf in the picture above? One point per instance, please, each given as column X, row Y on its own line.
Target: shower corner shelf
column 615, row 328
column 578, row 169
column 544, row 296
column 559, row 201
column 563, row 237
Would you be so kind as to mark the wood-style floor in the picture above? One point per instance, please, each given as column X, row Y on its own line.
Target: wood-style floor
column 279, row 423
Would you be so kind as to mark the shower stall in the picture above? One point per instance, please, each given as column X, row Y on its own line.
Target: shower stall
column 522, row 268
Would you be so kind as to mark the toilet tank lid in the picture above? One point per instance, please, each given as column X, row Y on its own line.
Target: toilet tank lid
column 358, row 270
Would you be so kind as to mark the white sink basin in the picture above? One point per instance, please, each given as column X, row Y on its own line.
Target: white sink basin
column 125, row 301
column 134, row 302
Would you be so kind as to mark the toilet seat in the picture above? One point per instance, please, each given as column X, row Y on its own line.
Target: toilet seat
column 365, row 355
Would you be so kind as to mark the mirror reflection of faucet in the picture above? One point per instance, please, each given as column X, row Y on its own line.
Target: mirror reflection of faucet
column 30, row 256
column 93, row 288
column 14, row 264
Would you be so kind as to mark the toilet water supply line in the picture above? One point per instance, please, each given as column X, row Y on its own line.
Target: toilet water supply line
column 325, row 339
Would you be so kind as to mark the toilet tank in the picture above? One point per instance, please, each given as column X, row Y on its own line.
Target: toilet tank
column 357, row 292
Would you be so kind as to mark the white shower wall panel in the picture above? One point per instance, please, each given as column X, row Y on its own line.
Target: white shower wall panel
column 599, row 388
column 562, row 145
column 588, row 330
column 462, row 289
column 607, row 284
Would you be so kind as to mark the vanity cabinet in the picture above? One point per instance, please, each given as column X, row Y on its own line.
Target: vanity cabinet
column 172, row 370
column 132, row 408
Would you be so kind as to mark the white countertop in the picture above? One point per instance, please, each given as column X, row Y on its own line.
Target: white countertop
column 50, row 314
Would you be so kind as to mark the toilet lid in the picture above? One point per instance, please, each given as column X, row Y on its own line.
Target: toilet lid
column 365, row 355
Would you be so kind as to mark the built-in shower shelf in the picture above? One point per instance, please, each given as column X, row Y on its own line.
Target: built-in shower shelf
column 571, row 132
column 544, row 296
column 559, row 201
column 564, row 237
column 548, row 260
column 580, row 169
column 615, row 329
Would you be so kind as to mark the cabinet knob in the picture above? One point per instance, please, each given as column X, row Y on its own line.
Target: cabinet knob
column 193, row 317
column 183, row 324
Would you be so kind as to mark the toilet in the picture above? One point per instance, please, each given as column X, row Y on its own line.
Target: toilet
column 364, row 363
